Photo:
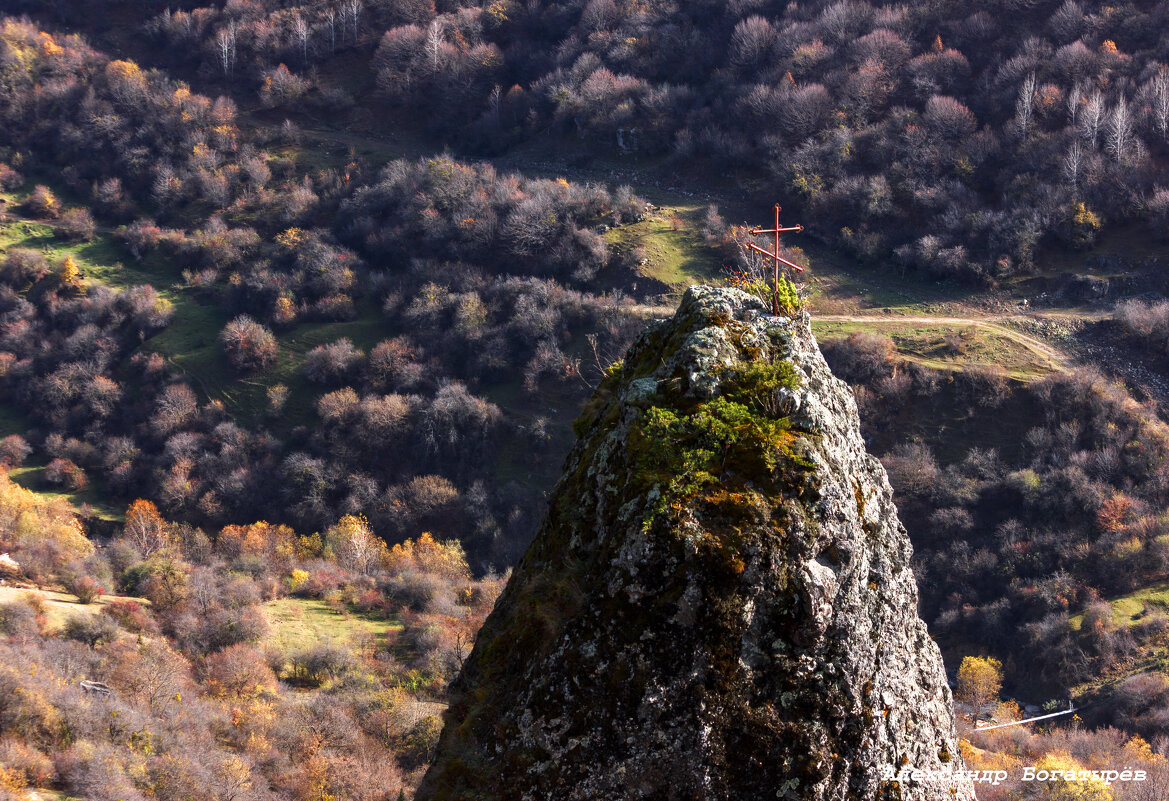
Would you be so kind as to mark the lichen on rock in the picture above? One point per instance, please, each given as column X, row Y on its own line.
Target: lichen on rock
column 719, row 603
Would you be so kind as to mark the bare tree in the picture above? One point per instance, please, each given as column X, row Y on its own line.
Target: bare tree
column 494, row 101
column 331, row 20
column 145, row 529
column 1073, row 164
column 300, row 30
column 434, row 42
column 355, row 546
column 1025, row 105
column 1075, row 99
column 1161, row 103
column 751, row 42
column 1092, row 117
column 1120, row 130
column 351, row 12
column 225, row 48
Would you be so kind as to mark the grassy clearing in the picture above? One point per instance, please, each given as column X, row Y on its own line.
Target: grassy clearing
column 61, row 606
column 192, row 346
column 927, row 345
column 300, row 622
column 678, row 255
column 1128, row 610
column 194, row 327
column 88, row 501
column 49, row 795
column 675, row 251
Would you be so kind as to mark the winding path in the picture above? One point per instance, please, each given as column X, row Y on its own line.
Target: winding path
column 1059, row 360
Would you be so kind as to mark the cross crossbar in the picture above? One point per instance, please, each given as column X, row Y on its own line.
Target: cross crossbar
column 774, row 255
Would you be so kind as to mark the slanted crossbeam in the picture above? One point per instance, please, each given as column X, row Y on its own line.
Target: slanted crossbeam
column 774, row 256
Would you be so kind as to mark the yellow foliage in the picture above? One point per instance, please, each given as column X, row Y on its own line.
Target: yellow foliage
column 1138, row 750
column 285, row 311
column 296, row 579
column 310, row 547
column 29, row 714
column 11, row 780
column 291, row 239
column 1128, row 547
column 29, row 520
column 497, row 12
column 1085, row 225
column 145, row 528
column 1109, row 46
column 1082, row 215
column 1115, row 513
column 979, row 759
column 125, row 71
column 428, row 555
column 1007, row 711
column 979, row 680
column 1084, row 789
column 69, row 273
column 354, row 545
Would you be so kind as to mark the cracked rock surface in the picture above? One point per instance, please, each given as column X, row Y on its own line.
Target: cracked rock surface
column 706, row 618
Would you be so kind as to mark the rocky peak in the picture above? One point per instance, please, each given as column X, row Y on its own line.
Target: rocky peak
column 719, row 603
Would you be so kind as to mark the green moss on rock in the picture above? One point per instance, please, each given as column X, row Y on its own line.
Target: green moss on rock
column 693, row 618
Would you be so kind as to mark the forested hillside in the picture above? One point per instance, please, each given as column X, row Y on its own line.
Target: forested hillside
column 960, row 142
column 422, row 282
column 262, row 665
column 355, row 266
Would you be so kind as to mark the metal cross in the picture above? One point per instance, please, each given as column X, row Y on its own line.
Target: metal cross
column 777, row 230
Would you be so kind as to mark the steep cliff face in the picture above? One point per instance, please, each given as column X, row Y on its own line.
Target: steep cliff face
column 719, row 604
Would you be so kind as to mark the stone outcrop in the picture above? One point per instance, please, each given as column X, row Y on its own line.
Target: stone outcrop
column 719, row 603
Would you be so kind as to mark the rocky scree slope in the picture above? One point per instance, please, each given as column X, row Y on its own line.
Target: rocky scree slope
column 719, row 603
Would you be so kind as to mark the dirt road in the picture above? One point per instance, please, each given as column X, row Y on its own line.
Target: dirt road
column 1058, row 359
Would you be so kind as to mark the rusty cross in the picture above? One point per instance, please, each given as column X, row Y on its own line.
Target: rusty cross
column 777, row 259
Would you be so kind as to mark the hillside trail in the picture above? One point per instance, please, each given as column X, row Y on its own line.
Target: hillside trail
column 998, row 324
column 1055, row 356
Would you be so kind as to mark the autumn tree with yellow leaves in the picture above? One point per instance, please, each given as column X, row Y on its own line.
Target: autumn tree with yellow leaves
column 979, row 680
column 42, row 535
column 355, row 546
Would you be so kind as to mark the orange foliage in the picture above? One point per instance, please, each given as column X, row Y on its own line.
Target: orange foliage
column 259, row 539
column 49, row 48
column 1115, row 513
column 285, row 310
column 428, row 555
column 146, row 528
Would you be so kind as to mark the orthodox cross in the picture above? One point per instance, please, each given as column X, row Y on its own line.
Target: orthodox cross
column 776, row 258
